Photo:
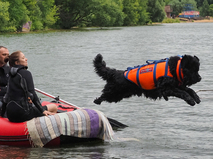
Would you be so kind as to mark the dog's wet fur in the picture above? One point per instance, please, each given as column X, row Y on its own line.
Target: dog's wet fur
column 118, row 87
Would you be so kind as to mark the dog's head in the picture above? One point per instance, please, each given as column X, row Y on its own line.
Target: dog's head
column 190, row 66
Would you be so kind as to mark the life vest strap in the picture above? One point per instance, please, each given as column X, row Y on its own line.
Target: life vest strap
column 154, row 74
column 139, row 66
column 137, row 74
column 179, row 71
column 156, row 61
column 137, row 77
column 166, row 70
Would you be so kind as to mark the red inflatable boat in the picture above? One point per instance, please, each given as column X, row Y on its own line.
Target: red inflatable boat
column 70, row 125
column 16, row 134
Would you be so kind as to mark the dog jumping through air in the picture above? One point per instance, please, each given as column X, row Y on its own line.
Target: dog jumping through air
column 155, row 79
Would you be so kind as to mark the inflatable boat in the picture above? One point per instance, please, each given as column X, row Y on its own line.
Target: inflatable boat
column 70, row 125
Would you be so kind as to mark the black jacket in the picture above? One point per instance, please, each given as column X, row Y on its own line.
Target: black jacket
column 16, row 92
column 4, row 75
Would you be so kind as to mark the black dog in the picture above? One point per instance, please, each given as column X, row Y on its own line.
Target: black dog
column 178, row 73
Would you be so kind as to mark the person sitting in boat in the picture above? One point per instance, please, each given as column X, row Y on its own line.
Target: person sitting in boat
column 4, row 72
column 22, row 101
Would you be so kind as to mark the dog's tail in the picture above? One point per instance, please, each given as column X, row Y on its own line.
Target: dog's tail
column 100, row 67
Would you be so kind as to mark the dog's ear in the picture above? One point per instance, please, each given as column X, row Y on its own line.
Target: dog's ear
column 197, row 58
column 185, row 61
column 188, row 60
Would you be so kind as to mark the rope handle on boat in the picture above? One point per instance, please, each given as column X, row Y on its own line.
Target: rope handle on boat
column 204, row 90
column 60, row 106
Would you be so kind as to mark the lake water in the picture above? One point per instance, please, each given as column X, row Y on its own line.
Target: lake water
column 61, row 64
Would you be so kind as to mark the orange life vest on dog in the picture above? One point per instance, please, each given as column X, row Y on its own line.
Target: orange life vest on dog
column 146, row 76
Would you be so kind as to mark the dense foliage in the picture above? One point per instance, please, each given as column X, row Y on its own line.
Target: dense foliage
column 15, row 13
column 156, row 10
column 65, row 14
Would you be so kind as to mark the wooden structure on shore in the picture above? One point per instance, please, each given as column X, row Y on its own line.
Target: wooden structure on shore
column 168, row 11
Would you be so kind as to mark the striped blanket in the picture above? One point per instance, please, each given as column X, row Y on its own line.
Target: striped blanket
column 82, row 123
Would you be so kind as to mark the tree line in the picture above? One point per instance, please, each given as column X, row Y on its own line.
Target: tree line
column 65, row 14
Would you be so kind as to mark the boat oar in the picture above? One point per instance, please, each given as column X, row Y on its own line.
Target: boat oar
column 51, row 96
column 114, row 123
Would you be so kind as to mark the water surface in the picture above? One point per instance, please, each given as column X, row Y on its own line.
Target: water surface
column 61, row 63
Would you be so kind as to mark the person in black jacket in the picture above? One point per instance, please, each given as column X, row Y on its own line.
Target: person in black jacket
column 22, row 101
column 4, row 72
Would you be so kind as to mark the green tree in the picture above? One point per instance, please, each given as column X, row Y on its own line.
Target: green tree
column 211, row 9
column 18, row 13
column 4, row 15
column 210, row 2
column 135, row 12
column 200, row 2
column 130, row 9
column 89, row 12
column 156, row 10
column 107, row 13
column 42, row 13
column 73, row 12
column 49, row 13
column 34, row 14
column 176, row 7
column 204, row 11
column 144, row 15
column 167, row 2
column 185, row 3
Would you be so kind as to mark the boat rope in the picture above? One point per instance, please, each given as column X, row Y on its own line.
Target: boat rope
column 204, row 90
column 64, row 107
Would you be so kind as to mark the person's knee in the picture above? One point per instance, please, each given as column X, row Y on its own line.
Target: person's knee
column 52, row 108
column 55, row 108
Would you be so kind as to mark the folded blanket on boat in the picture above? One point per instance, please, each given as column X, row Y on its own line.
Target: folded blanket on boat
column 82, row 123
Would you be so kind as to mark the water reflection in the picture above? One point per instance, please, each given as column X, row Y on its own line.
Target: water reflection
column 86, row 151
column 14, row 152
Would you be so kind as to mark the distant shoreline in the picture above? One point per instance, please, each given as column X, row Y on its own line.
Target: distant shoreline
column 186, row 21
column 201, row 21
column 209, row 20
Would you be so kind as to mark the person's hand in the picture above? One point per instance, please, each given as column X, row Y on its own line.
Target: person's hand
column 48, row 113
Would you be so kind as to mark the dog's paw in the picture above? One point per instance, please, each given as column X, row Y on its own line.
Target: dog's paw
column 97, row 101
column 197, row 98
column 190, row 102
column 165, row 96
column 193, row 94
